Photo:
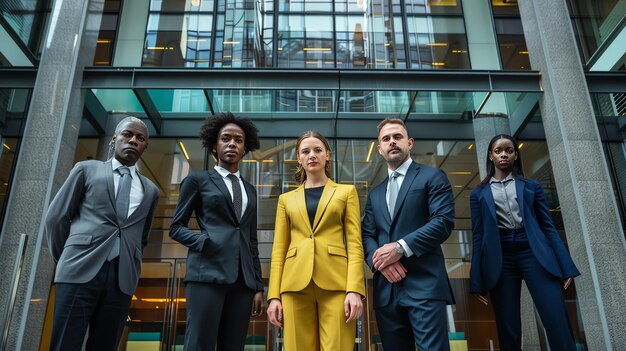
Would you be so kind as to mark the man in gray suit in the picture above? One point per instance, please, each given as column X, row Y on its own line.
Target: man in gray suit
column 96, row 227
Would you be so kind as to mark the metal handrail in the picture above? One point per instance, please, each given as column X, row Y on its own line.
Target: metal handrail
column 17, row 271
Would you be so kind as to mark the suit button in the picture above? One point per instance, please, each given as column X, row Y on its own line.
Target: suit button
column 118, row 235
column 311, row 236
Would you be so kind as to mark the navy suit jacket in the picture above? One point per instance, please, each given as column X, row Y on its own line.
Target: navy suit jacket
column 424, row 218
column 543, row 237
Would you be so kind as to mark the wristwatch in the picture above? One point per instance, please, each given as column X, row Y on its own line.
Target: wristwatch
column 400, row 249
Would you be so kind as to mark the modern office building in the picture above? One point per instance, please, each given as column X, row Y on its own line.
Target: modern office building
column 552, row 73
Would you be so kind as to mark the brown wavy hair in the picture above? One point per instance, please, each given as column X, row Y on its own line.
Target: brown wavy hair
column 300, row 172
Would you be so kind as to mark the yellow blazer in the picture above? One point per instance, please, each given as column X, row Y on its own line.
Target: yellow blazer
column 330, row 253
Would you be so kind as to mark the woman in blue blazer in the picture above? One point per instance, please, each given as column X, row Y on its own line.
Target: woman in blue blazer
column 514, row 239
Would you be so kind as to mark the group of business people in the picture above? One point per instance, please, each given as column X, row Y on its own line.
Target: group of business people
column 97, row 226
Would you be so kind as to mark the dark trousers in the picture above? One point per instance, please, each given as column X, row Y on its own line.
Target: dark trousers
column 519, row 262
column 406, row 322
column 217, row 314
column 98, row 304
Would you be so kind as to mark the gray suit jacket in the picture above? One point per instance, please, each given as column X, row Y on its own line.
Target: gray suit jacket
column 81, row 226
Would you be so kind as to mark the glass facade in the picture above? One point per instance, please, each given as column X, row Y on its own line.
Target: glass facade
column 13, row 108
column 594, row 21
column 27, row 18
column 365, row 34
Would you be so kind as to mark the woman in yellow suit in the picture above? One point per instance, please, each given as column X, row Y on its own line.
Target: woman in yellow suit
column 316, row 277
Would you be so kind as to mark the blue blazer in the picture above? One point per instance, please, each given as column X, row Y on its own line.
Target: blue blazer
column 543, row 237
column 424, row 218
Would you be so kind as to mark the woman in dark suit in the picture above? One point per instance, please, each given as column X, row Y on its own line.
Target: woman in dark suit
column 514, row 239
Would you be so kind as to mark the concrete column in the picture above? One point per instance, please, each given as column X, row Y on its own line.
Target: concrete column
column 590, row 214
column 44, row 160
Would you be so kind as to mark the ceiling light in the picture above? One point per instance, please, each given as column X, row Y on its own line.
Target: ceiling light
column 470, row 146
column 369, row 153
column 231, row 43
column 316, row 49
column 520, row 146
column 195, row 2
column 437, row 44
column 438, row 63
column 182, row 147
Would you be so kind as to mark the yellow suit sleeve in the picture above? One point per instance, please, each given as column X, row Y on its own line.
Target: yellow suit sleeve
column 282, row 240
column 352, row 232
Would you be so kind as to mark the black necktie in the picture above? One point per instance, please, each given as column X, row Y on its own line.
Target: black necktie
column 237, row 200
column 122, row 201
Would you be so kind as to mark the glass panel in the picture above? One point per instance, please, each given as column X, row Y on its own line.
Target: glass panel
column 305, row 5
column 437, row 43
column 274, row 102
column 373, row 104
column 179, row 100
column 150, row 307
column 305, row 41
column 446, row 105
column 118, row 100
column 512, row 45
column 107, row 34
column 181, row 5
column 27, row 18
column 434, row 6
column 178, row 40
column 236, row 30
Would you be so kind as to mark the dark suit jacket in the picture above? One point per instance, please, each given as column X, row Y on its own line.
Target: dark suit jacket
column 542, row 236
column 215, row 252
column 424, row 218
column 81, row 226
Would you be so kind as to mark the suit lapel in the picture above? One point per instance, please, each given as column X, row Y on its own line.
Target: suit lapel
column 381, row 200
column 406, row 184
column 519, row 189
column 219, row 183
column 300, row 199
column 327, row 194
column 108, row 170
column 251, row 199
column 488, row 196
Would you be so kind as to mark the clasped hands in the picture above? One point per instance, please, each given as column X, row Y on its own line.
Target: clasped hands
column 352, row 308
column 386, row 261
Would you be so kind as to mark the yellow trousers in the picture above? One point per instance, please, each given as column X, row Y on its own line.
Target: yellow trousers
column 314, row 319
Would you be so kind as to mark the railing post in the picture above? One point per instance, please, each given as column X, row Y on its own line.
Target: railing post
column 15, row 280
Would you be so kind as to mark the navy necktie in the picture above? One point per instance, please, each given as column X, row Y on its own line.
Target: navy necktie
column 122, row 201
column 237, row 199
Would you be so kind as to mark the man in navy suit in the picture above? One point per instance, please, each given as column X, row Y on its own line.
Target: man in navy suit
column 407, row 217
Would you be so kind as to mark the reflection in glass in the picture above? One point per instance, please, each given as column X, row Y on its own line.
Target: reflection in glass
column 434, row 6
column 512, row 45
column 178, row 40
column 27, row 18
column 107, row 34
column 437, row 43
column 305, row 41
column 179, row 100
column 118, row 100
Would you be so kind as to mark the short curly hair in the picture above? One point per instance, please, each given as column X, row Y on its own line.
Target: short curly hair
column 210, row 130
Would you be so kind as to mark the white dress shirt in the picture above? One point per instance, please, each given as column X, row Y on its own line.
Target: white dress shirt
column 136, row 189
column 229, row 185
column 404, row 167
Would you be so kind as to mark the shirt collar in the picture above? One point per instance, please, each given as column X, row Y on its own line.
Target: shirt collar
column 508, row 178
column 115, row 164
column 404, row 167
column 224, row 172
